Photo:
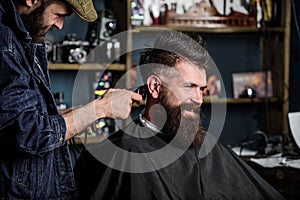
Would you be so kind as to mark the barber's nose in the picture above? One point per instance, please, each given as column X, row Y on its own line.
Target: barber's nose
column 59, row 23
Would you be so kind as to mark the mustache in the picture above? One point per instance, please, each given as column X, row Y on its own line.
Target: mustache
column 196, row 108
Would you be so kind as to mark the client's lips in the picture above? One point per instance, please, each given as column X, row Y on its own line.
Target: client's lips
column 191, row 110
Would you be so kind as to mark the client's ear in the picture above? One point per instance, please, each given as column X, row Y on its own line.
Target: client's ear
column 154, row 85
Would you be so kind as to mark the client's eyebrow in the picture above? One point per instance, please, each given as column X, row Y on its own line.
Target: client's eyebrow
column 195, row 85
column 63, row 14
column 203, row 88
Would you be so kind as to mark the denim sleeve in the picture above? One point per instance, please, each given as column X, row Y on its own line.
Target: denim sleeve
column 25, row 125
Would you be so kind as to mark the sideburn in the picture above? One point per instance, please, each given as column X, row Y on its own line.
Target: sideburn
column 33, row 23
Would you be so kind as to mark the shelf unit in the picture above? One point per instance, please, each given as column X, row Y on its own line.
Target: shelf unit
column 87, row 66
column 228, row 30
column 209, row 100
column 64, row 75
column 274, row 51
column 240, row 100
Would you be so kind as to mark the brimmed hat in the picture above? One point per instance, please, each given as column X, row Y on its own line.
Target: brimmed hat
column 84, row 9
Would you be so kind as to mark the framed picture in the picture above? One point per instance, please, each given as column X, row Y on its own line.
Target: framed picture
column 252, row 84
column 214, row 88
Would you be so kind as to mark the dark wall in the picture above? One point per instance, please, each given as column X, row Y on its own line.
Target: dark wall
column 295, row 58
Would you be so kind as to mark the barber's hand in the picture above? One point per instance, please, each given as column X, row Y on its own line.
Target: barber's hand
column 117, row 103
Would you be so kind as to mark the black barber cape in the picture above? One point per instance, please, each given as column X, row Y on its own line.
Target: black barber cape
column 219, row 175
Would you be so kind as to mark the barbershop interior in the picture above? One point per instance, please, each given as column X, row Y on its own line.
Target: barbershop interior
column 250, row 101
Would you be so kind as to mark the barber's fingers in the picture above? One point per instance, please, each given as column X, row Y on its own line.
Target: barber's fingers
column 121, row 102
column 136, row 97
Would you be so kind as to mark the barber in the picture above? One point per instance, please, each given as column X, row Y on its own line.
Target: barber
column 34, row 158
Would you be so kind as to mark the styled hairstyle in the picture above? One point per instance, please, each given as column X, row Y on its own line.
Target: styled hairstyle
column 170, row 48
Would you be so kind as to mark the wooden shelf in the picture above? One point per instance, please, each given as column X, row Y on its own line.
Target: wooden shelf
column 89, row 139
column 208, row 100
column 207, row 29
column 86, row 66
column 239, row 100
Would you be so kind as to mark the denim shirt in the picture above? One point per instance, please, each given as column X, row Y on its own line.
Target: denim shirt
column 34, row 158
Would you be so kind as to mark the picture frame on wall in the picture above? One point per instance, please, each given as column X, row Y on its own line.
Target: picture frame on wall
column 214, row 86
column 252, row 84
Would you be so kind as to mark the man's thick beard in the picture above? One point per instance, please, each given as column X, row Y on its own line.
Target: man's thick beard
column 33, row 23
column 188, row 130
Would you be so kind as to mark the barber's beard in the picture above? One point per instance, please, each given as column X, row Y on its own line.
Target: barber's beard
column 34, row 24
column 188, row 129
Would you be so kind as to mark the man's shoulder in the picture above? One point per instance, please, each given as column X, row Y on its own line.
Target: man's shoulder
column 133, row 138
column 8, row 39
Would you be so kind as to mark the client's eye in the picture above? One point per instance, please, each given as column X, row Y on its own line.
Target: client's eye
column 188, row 86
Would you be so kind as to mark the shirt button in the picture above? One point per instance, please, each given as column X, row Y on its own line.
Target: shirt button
column 62, row 173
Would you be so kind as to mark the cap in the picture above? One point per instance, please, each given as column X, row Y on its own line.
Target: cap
column 84, row 9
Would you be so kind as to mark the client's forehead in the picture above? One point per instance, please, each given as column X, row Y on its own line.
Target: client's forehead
column 187, row 72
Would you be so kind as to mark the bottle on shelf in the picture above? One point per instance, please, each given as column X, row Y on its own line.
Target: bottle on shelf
column 106, row 125
column 59, row 99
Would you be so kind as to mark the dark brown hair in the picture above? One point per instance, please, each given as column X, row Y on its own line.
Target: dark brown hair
column 170, row 48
